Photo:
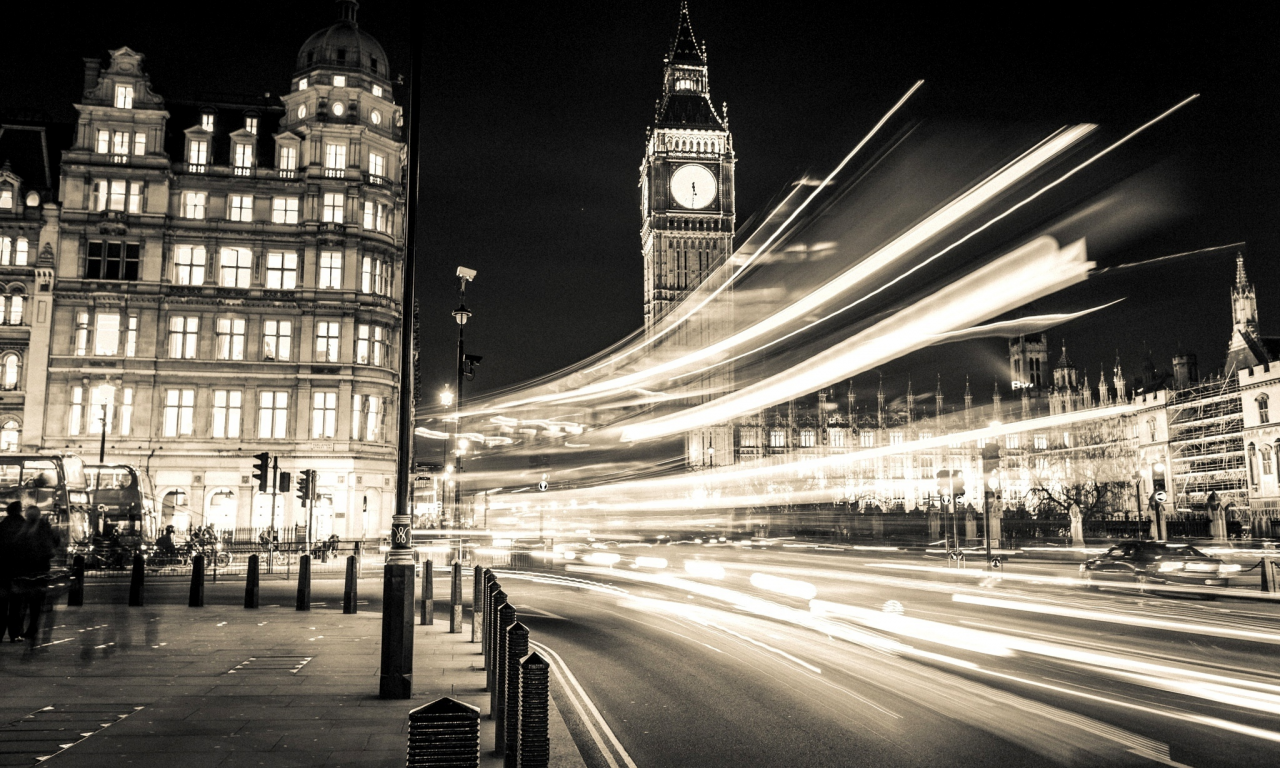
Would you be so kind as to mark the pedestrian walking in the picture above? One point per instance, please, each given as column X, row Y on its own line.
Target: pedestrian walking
column 11, row 605
column 34, row 547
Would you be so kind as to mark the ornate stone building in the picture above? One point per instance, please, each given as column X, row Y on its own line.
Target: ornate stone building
column 226, row 283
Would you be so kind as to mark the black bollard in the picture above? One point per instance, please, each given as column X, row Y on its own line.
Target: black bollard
column 535, row 697
column 251, row 583
column 477, row 601
column 136, row 579
column 428, row 594
column 455, row 600
column 396, row 678
column 349, row 588
column 506, row 729
column 196, row 598
column 304, row 583
column 75, row 592
column 497, row 598
column 444, row 732
column 498, row 693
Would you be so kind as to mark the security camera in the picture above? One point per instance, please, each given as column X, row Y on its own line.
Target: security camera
column 466, row 274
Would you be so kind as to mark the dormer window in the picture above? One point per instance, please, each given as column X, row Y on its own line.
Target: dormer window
column 377, row 91
column 339, row 81
column 198, row 152
column 6, row 198
column 206, row 121
column 244, row 159
column 302, row 84
column 124, row 97
column 251, row 124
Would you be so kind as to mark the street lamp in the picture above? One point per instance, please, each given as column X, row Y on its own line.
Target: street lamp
column 465, row 371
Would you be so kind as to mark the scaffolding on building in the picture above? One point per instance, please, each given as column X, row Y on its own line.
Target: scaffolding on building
column 1206, row 446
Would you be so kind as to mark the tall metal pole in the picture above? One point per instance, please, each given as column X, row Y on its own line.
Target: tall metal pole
column 102, row 445
column 457, row 421
column 395, row 680
column 275, row 488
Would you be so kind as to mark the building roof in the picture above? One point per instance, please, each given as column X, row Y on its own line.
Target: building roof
column 228, row 117
column 343, row 45
column 688, row 110
column 31, row 150
column 685, row 48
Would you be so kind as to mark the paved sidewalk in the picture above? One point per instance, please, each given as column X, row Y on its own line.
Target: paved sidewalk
column 168, row 685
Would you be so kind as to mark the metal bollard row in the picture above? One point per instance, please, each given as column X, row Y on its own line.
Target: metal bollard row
column 507, row 729
column 444, row 734
column 534, row 742
column 428, row 594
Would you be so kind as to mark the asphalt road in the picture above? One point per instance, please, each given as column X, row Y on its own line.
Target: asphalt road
column 792, row 657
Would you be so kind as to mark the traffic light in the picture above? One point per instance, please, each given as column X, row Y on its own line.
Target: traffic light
column 1157, row 477
column 262, row 470
column 304, row 487
column 944, row 482
column 285, row 482
column 957, row 484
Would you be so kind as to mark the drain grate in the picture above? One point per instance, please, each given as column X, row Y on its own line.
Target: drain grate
column 54, row 729
column 290, row 664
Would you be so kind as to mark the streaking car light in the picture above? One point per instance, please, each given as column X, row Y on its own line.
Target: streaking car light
column 704, row 569
column 1228, row 568
column 651, row 562
column 1167, row 567
column 601, row 558
column 789, row 587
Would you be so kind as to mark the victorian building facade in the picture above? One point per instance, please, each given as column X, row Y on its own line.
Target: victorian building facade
column 223, row 281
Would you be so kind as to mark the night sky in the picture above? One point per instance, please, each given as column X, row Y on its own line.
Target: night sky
column 537, row 115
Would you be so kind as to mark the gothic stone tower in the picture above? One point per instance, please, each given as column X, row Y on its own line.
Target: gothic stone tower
column 687, row 218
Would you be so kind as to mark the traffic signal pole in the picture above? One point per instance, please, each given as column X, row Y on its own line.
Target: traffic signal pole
column 275, row 488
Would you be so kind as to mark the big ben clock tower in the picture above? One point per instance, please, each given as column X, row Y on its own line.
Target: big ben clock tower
column 687, row 215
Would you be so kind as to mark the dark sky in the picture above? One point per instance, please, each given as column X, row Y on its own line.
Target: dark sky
column 537, row 113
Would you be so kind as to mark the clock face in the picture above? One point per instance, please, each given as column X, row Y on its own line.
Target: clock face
column 693, row 186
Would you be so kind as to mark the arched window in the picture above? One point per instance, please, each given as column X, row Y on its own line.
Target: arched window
column 221, row 510
column 10, row 372
column 9, row 434
column 16, row 304
column 1263, row 416
column 808, row 438
column 1252, row 464
column 1266, row 460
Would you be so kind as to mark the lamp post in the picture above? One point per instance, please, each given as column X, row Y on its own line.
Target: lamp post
column 466, row 370
column 993, row 480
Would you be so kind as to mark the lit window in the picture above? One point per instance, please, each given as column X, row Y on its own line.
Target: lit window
column 244, row 159
column 230, row 337
column 14, row 315
column 375, row 216
column 377, row 90
column 198, row 152
column 117, row 195
column 366, row 417
column 277, row 339
column 139, row 143
column 377, row 164
column 284, row 210
column 226, row 413
column 1264, row 414
column 836, row 437
column 131, row 340
column 273, row 414
column 339, row 81
column 333, row 207
column 330, row 270
column 75, row 414
column 9, row 435
column 777, row 438
column 895, row 438
column 288, row 158
column 335, row 155
column 13, row 251
column 179, row 409
column 374, row 277
column 120, row 143
column 1041, row 442
column 9, row 379
column 282, row 270
column 103, row 144
column 240, row 207
column 126, row 412
column 251, row 124
column 124, row 97
column 82, row 333
column 1011, row 441
column 324, row 414
column 235, row 267
column 302, row 84
column 327, row 334
column 193, row 204
column 188, row 264
column 206, row 121
column 867, row 439
column 371, row 345
column 106, row 334
column 808, row 438
column 184, row 334
column 112, row 261
column 6, row 197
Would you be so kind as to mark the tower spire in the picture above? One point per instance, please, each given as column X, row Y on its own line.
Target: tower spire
column 937, row 399
column 968, row 401
column 880, row 403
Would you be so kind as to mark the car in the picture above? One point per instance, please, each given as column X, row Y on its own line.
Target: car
column 1156, row 562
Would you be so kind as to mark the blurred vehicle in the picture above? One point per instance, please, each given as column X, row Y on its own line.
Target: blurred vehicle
column 122, row 514
column 1156, row 562
column 56, row 485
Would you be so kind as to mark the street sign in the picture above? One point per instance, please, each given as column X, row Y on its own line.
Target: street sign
column 1161, row 497
column 946, row 499
column 542, row 485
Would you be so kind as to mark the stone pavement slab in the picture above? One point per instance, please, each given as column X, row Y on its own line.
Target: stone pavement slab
column 222, row 686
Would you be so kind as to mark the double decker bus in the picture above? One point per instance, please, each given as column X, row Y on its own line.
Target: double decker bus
column 122, row 504
column 55, row 484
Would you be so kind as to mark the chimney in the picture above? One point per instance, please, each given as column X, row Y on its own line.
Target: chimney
column 1185, row 370
column 92, row 68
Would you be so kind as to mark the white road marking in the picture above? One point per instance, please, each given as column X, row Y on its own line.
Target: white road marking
column 562, row 671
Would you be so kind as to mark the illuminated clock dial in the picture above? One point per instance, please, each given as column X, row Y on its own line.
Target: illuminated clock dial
column 693, row 186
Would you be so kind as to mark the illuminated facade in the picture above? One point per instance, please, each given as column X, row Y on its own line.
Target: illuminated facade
column 225, row 283
column 687, row 222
